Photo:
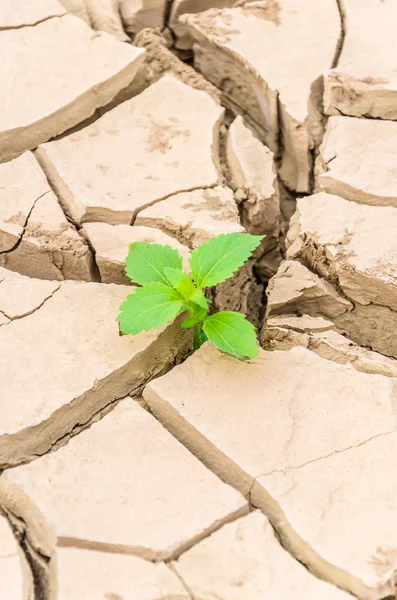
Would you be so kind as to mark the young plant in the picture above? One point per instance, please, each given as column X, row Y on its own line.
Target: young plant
column 167, row 290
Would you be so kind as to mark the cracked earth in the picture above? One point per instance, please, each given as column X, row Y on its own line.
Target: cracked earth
column 130, row 468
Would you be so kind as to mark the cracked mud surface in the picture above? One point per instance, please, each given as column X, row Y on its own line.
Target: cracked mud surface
column 130, row 468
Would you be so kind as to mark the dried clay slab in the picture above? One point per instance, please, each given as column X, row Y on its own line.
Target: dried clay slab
column 319, row 335
column 295, row 289
column 27, row 547
column 244, row 561
column 90, row 574
column 364, row 84
column 328, row 500
column 183, row 39
column 249, row 48
column 278, row 402
column 265, row 411
column 352, row 247
column 253, row 176
column 111, row 244
column 158, row 499
column 159, row 60
column 35, row 237
column 357, row 160
column 161, row 142
column 16, row 578
column 20, row 13
column 43, row 60
column 64, row 360
column 303, row 309
column 194, row 217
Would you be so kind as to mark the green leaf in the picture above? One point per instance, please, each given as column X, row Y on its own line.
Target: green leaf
column 232, row 333
column 181, row 282
column 146, row 262
column 196, row 315
column 184, row 285
column 200, row 299
column 149, row 307
column 218, row 259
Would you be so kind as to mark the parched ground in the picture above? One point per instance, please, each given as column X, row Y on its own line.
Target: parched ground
column 130, row 468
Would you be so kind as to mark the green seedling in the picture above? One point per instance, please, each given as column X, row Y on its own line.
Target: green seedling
column 167, row 290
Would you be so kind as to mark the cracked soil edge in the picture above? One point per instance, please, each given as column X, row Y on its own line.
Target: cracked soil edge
column 251, row 488
column 34, row 441
column 34, row 535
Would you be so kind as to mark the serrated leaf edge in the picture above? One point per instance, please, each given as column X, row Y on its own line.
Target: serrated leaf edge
column 203, row 284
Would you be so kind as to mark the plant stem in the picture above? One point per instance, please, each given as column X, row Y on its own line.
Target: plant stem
column 197, row 337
